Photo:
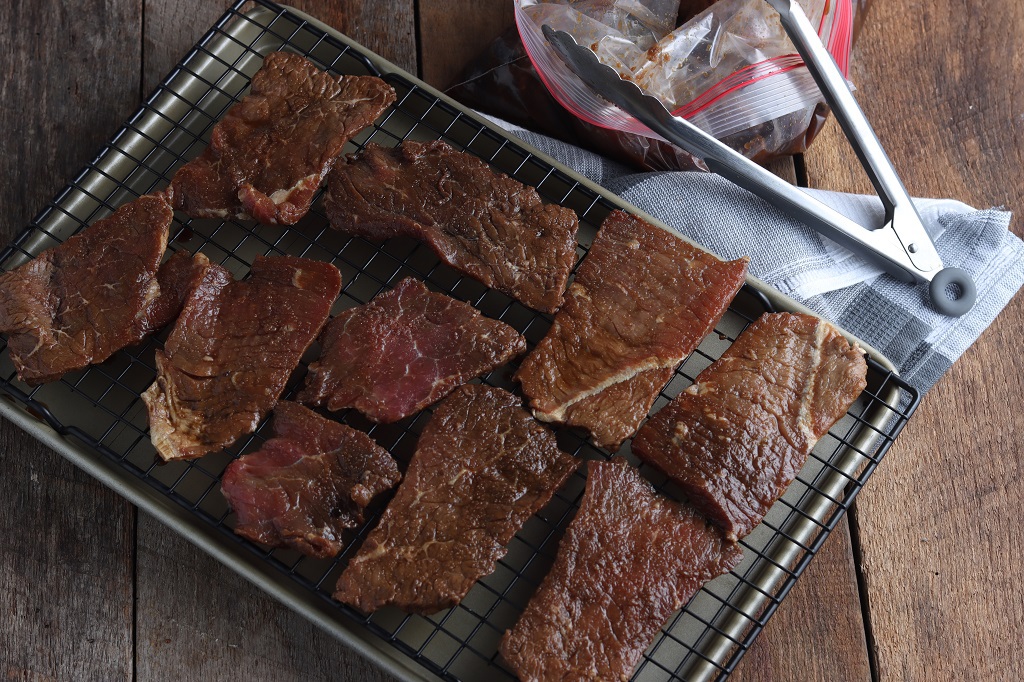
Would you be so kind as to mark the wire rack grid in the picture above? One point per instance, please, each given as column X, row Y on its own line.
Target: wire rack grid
column 100, row 406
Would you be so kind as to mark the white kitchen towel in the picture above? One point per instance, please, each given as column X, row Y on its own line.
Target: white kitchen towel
column 893, row 316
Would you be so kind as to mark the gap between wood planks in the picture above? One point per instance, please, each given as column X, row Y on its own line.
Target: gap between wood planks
column 862, row 589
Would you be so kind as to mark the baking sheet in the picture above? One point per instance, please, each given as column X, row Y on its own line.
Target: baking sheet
column 95, row 417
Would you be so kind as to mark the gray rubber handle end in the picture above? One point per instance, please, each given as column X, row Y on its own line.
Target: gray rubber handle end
column 949, row 306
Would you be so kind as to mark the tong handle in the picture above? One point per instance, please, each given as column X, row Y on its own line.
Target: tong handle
column 900, row 214
column 844, row 106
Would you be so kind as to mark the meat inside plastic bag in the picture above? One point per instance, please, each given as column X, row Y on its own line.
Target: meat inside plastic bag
column 730, row 69
column 619, row 31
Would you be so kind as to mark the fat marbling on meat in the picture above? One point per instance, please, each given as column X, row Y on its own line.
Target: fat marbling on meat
column 308, row 484
column 642, row 300
column 482, row 467
column 628, row 560
column 738, row 436
column 232, row 350
column 269, row 154
column 482, row 223
column 80, row 302
column 404, row 350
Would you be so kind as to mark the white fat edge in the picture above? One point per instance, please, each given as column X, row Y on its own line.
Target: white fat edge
column 280, row 196
column 803, row 416
column 160, row 405
column 558, row 414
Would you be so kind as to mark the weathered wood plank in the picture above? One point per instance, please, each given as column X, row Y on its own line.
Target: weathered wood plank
column 67, row 564
column 387, row 27
column 452, row 32
column 938, row 523
column 200, row 620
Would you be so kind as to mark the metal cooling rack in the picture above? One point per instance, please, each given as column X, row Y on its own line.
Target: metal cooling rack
column 96, row 418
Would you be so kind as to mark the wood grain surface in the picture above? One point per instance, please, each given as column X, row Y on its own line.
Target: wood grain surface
column 67, row 563
column 452, row 32
column 937, row 524
column 89, row 593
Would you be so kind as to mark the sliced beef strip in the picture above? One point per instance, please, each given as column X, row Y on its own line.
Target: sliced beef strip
column 406, row 349
column 612, row 415
column 738, row 436
column 642, row 300
column 80, row 302
column 307, row 484
column 482, row 467
column 232, row 350
column 177, row 277
column 628, row 560
column 269, row 154
column 480, row 222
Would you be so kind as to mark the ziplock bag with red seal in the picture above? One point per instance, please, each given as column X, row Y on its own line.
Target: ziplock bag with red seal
column 730, row 69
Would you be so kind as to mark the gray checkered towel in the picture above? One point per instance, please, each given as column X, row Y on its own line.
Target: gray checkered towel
column 891, row 315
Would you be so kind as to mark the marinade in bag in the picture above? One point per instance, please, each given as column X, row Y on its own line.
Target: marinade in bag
column 729, row 69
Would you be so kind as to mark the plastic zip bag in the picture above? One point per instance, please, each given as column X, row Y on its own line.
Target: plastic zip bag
column 730, row 69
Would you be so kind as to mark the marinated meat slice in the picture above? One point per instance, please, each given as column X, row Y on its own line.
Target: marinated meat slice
column 406, row 349
column 80, row 302
column 485, row 224
column 738, row 436
column 232, row 350
column 612, row 415
column 627, row 561
column 307, row 484
column 482, row 467
column 641, row 302
column 177, row 277
column 269, row 154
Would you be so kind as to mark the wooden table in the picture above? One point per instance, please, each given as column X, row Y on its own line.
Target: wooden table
column 924, row 582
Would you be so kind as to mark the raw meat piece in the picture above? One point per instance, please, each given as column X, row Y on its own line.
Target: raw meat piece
column 307, row 484
column 177, row 277
column 627, row 561
column 483, row 466
column 737, row 438
column 641, row 302
column 232, row 350
column 406, row 349
column 269, row 154
column 80, row 302
column 485, row 224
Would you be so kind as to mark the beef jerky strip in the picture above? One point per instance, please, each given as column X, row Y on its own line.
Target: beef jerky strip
column 628, row 560
column 482, row 467
column 404, row 350
column 307, row 484
column 231, row 351
column 738, row 436
column 480, row 222
column 80, row 302
column 642, row 300
column 269, row 154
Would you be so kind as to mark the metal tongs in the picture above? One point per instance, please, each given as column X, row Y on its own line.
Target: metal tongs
column 901, row 246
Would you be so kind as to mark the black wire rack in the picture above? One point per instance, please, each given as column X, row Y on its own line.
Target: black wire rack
column 100, row 407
